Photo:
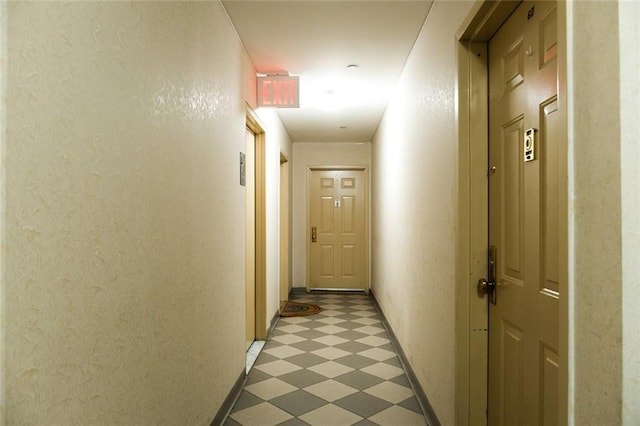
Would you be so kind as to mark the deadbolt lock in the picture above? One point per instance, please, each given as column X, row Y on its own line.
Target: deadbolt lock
column 486, row 286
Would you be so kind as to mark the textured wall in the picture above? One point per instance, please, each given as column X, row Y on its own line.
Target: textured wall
column 595, row 212
column 316, row 154
column 413, row 207
column 628, row 15
column 123, row 272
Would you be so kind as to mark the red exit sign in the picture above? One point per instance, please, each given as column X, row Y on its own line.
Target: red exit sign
column 279, row 91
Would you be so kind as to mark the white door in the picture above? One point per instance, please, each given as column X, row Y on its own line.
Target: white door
column 337, row 218
column 524, row 217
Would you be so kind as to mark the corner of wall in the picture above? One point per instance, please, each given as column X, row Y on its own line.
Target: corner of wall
column 3, row 135
column 629, row 13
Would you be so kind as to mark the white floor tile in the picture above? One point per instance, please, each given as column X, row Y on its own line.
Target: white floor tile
column 332, row 353
column 377, row 354
column 373, row 340
column 330, row 390
column 369, row 329
column 287, row 339
column 330, row 369
column 283, row 351
column 330, row 340
column 384, row 371
column 330, row 329
column 397, row 415
column 367, row 321
column 390, row 392
column 263, row 414
column 330, row 415
column 277, row 368
column 270, row 388
column 292, row 328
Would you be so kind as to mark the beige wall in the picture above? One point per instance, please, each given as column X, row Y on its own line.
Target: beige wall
column 414, row 207
column 3, row 195
column 595, row 267
column 628, row 15
column 604, row 207
column 122, row 265
column 307, row 154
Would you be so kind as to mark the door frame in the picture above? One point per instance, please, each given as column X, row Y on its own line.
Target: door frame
column 482, row 21
column 253, row 123
column 285, row 231
column 365, row 170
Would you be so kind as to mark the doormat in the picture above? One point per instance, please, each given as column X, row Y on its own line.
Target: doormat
column 296, row 309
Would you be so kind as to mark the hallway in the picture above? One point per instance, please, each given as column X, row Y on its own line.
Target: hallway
column 122, row 210
column 337, row 367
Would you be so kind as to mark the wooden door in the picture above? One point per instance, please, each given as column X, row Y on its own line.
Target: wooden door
column 250, row 238
column 524, row 217
column 337, row 207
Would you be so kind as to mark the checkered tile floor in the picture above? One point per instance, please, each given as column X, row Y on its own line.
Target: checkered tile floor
column 334, row 368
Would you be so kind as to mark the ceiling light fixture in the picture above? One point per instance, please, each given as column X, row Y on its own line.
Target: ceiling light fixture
column 352, row 66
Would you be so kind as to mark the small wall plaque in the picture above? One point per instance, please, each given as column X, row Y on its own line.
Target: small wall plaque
column 243, row 169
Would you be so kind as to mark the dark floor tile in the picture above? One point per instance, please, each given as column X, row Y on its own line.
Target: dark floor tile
column 308, row 345
column 395, row 361
column 353, row 347
column 298, row 402
column 306, row 360
column 363, row 404
column 358, row 380
column 411, row 404
column 272, row 344
column 351, row 335
column 294, row 422
column 315, row 324
column 356, row 361
column 264, row 358
column 310, row 334
column 302, row 378
column 349, row 325
column 230, row 422
column 348, row 317
column 246, row 400
column 366, row 422
column 401, row 380
column 256, row 376
column 388, row 346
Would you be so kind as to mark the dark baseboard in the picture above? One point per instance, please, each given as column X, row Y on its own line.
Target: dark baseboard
column 298, row 290
column 274, row 322
column 230, row 401
column 423, row 401
column 233, row 396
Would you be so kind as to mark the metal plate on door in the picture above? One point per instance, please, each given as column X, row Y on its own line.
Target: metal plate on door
column 530, row 145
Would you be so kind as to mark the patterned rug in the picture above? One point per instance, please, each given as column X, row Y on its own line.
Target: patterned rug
column 296, row 309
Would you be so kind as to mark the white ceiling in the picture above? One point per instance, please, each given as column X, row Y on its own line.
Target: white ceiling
column 317, row 40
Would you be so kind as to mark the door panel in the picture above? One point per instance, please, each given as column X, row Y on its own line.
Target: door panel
column 337, row 212
column 550, row 126
column 524, row 217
